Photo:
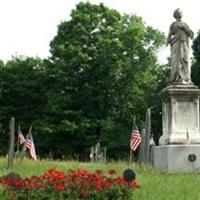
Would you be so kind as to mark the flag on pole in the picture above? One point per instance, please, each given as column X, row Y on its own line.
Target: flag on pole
column 21, row 137
column 135, row 137
column 30, row 145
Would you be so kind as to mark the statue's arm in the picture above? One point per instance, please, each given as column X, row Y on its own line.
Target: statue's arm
column 188, row 31
column 191, row 34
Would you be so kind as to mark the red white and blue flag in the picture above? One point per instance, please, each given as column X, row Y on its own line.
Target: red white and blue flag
column 21, row 137
column 30, row 145
column 135, row 137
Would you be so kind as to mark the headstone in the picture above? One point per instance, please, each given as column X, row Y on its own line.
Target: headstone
column 92, row 154
column 12, row 142
column 142, row 156
column 97, row 152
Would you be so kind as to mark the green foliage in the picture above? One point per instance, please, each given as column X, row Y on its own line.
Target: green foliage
column 196, row 63
column 107, row 66
column 102, row 70
column 21, row 82
column 22, row 94
column 196, row 47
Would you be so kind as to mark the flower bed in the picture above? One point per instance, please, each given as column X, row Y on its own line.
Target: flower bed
column 76, row 184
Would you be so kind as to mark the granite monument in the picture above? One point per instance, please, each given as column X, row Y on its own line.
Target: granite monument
column 180, row 107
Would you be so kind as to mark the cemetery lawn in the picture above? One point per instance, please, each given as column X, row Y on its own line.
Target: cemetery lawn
column 155, row 185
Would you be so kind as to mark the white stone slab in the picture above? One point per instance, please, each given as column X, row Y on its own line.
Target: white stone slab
column 174, row 158
column 180, row 114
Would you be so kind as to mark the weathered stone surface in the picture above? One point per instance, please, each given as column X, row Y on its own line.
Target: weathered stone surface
column 180, row 138
column 180, row 114
column 141, row 156
column 178, row 38
column 174, row 158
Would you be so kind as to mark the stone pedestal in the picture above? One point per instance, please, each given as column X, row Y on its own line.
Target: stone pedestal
column 180, row 126
column 180, row 114
column 177, row 158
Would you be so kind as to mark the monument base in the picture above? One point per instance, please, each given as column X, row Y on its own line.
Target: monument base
column 177, row 158
column 180, row 115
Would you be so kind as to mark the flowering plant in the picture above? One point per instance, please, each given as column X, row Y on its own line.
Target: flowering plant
column 76, row 184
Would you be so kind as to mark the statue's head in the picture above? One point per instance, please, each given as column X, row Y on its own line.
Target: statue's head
column 178, row 13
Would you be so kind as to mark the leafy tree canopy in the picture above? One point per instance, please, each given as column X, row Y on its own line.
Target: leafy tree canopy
column 102, row 70
column 196, row 62
column 107, row 65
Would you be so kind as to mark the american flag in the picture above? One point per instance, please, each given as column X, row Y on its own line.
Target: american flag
column 21, row 137
column 135, row 137
column 30, row 145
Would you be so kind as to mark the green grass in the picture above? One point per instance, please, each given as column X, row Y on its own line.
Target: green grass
column 155, row 185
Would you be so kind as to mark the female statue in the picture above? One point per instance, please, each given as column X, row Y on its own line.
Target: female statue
column 178, row 38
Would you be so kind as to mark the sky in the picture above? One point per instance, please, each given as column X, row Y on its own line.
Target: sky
column 28, row 26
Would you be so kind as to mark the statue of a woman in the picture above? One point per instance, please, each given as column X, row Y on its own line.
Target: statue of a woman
column 178, row 38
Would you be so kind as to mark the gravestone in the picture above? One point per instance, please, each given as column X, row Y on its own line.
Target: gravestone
column 180, row 108
column 141, row 156
column 12, row 142
column 145, row 150
column 92, row 154
column 97, row 152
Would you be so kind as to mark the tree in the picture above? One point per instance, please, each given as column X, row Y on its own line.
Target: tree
column 104, row 69
column 22, row 93
column 196, row 62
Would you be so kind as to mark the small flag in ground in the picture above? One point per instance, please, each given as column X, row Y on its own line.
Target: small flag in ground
column 187, row 138
column 30, row 145
column 21, row 137
column 135, row 137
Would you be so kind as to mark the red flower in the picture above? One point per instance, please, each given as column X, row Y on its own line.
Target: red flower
column 59, row 187
column 80, row 181
column 107, row 183
column 112, row 171
column 98, row 184
column 134, row 184
column 99, row 172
